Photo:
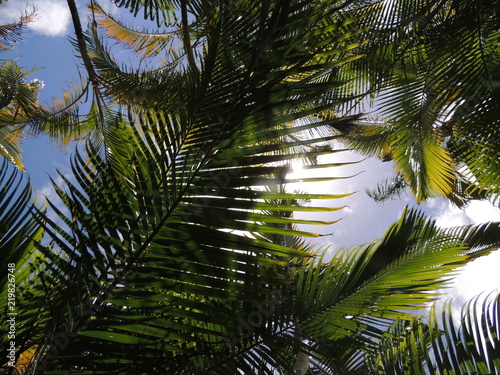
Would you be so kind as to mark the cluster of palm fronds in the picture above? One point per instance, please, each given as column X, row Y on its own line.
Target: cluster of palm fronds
column 432, row 69
column 173, row 248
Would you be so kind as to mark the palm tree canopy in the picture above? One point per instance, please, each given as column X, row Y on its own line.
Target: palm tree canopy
column 437, row 94
column 173, row 248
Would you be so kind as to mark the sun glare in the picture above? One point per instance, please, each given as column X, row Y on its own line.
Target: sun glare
column 297, row 170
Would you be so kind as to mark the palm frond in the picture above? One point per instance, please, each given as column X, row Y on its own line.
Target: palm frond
column 17, row 226
column 436, row 93
column 180, row 235
column 18, row 99
column 144, row 44
column 13, row 32
column 335, row 311
column 162, row 213
column 175, row 250
column 441, row 345
column 19, row 261
column 23, row 115
column 61, row 118
column 161, row 11
column 387, row 189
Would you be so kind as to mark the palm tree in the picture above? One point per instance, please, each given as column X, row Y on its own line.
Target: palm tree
column 23, row 115
column 16, row 95
column 168, row 322
column 432, row 68
column 173, row 249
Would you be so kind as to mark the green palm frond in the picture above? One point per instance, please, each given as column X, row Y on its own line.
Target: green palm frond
column 13, row 32
column 178, row 237
column 437, row 94
column 334, row 311
column 144, row 44
column 62, row 118
column 441, row 345
column 468, row 143
column 18, row 96
column 22, row 115
column 9, row 147
column 17, row 227
column 18, row 99
column 157, row 250
column 19, row 263
column 173, row 248
column 390, row 188
column 161, row 11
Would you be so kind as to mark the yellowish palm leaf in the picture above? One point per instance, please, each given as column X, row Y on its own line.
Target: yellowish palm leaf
column 142, row 43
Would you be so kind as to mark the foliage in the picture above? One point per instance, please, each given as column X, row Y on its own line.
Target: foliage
column 13, row 32
column 16, row 95
column 173, row 248
column 436, row 94
column 441, row 346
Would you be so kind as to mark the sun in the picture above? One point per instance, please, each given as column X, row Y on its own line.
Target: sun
column 297, row 170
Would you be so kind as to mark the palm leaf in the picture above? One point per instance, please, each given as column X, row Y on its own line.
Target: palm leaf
column 334, row 311
column 17, row 226
column 183, row 254
column 436, row 93
column 13, row 32
column 160, row 11
column 19, row 262
column 156, row 251
column 144, row 44
column 387, row 189
column 441, row 345
column 17, row 100
column 21, row 114
column 173, row 245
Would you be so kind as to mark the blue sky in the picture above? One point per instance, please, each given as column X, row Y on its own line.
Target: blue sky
column 46, row 45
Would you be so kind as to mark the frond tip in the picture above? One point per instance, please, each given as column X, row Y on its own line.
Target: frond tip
column 13, row 33
column 441, row 345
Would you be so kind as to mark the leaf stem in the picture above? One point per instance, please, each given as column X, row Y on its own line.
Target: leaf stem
column 186, row 38
column 82, row 46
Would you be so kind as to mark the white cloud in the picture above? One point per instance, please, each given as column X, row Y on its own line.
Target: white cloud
column 363, row 220
column 53, row 16
column 366, row 220
column 482, row 211
column 446, row 214
column 480, row 277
